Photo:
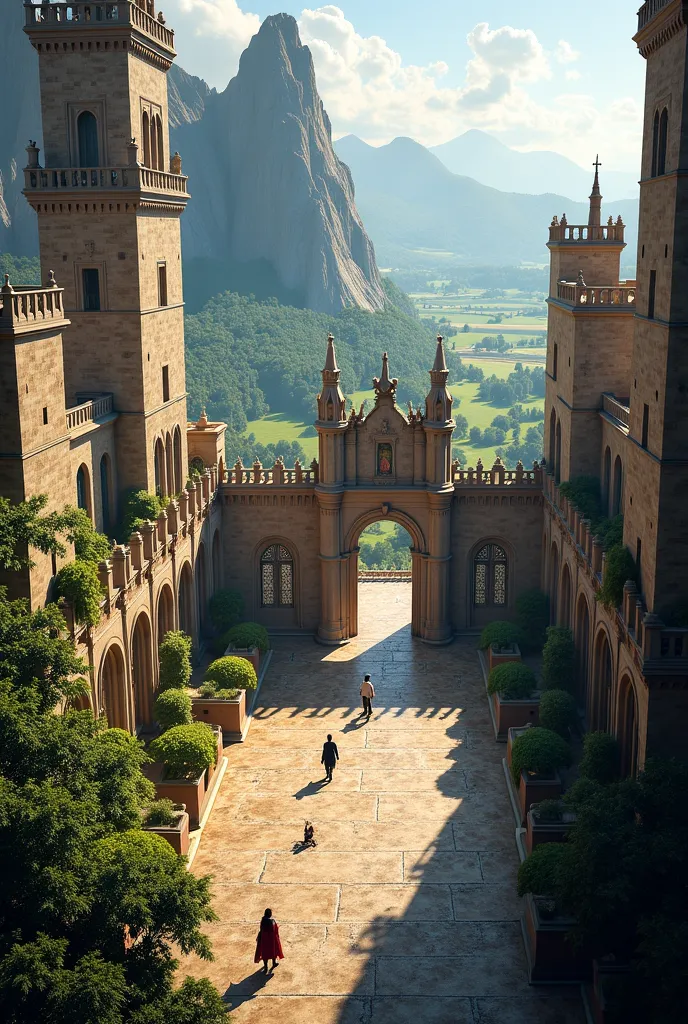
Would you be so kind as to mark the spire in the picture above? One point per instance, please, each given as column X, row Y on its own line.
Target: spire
column 440, row 362
column 384, row 385
column 331, row 358
column 438, row 403
column 331, row 403
column 595, row 216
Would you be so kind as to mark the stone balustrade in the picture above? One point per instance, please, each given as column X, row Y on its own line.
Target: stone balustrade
column 660, row 649
column 562, row 231
column 620, row 296
column 617, row 408
column 649, row 9
column 276, row 476
column 69, row 179
column 90, row 411
column 98, row 14
column 498, row 476
column 30, row 308
column 373, row 575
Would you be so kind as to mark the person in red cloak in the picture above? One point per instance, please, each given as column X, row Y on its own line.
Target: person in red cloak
column 268, row 945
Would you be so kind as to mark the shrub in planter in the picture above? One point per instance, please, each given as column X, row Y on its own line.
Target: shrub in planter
column 139, row 507
column 512, row 681
column 558, row 711
column 173, row 707
column 78, row 582
column 548, row 811
column 231, row 673
column 501, row 634
column 539, row 751
column 581, row 793
column 161, row 813
column 532, row 617
column 558, row 659
column 226, row 608
column 175, row 660
column 247, row 635
column 540, row 872
column 601, row 758
column 211, row 691
column 185, row 750
column 619, row 566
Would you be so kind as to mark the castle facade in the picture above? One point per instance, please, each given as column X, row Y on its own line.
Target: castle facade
column 92, row 370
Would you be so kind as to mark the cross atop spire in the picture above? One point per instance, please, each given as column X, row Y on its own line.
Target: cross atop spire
column 595, row 216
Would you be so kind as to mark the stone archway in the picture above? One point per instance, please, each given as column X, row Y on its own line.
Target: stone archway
column 165, row 612
column 565, row 602
column 113, row 688
column 186, row 600
column 554, row 585
column 142, row 663
column 201, row 590
column 599, row 699
column 582, row 638
column 627, row 727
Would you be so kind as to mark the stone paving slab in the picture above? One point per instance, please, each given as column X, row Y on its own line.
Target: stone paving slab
column 406, row 911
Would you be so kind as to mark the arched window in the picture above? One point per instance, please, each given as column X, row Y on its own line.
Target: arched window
column 177, row 445
column 663, row 139
column 87, row 134
column 618, row 487
column 557, row 454
column 145, row 135
column 552, row 441
column 490, row 577
column 655, row 144
column 158, row 143
column 160, row 477
column 276, row 577
column 153, row 143
column 83, row 489
column 105, row 491
column 607, row 488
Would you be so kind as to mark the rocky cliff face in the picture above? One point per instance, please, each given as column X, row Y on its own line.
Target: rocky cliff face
column 268, row 190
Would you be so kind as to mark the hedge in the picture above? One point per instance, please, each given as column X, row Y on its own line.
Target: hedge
column 512, row 681
column 232, row 673
column 247, row 635
column 226, row 608
column 532, row 616
column 161, row 812
column 175, row 660
column 501, row 634
column 558, row 711
column 173, row 707
column 601, row 758
column 185, row 750
column 539, row 751
column 619, row 566
column 559, row 659
column 211, row 691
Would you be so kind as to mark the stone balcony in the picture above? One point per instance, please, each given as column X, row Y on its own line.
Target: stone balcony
column 610, row 297
column 64, row 17
column 24, row 309
column 98, row 179
column 562, row 231
column 92, row 409
column 617, row 410
column 648, row 11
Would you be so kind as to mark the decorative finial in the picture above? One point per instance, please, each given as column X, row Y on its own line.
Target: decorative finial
column 384, row 385
column 581, row 280
column 202, row 421
column 52, row 283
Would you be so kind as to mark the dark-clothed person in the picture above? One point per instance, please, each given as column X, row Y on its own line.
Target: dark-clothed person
column 330, row 756
column 268, row 945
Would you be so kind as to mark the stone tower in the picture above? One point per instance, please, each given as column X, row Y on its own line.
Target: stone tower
column 655, row 496
column 108, row 198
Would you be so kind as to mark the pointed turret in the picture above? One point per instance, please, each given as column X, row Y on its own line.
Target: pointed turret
column 438, row 423
column 438, row 404
column 331, row 402
column 595, row 215
column 384, row 384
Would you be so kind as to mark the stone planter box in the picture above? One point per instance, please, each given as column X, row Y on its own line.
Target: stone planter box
column 534, row 788
column 539, row 832
column 176, row 835
column 551, row 957
column 251, row 654
column 230, row 715
column 512, row 735
column 607, row 980
column 192, row 792
column 495, row 657
column 514, row 714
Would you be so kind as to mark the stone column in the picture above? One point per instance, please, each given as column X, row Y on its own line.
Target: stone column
column 438, row 627
column 332, row 628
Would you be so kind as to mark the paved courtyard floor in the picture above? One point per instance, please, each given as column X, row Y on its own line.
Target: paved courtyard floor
column 406, row 911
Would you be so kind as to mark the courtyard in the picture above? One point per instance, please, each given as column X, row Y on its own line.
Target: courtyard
column 406, row 910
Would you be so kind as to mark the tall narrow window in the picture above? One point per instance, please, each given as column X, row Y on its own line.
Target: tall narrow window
column 646, row 425
column 145, row 135
column 490, row 577
column 105, row 492
column 277, row 577
column 655, row 149
column 555, row 358
column 159, row 144
column 663, row 139
column 45, row 414
column 83, row 490
column 162, row 284
column 91, row 288
column 165, row 383
column 651, row 296
column 87, row 135
column 153, row 144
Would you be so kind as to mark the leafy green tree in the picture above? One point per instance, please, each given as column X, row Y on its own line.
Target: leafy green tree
column 226, row 608
column 78, row 582
column 23, row 527
column 559, row 659
column 175, row 660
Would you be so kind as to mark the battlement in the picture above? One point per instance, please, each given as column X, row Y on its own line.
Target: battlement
column 612, row 232
column 24, row 309
column 616, row 296
column 69, row 18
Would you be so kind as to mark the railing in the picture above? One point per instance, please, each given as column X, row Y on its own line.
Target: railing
column 276, row 475
column 29, row 307
column 498, row 476
column 371, row 575
column 648, row 11
column 619, row 296
column 94, row 13
column 562, row 231
column 90, row 411
column 616, row 407
column 67, row 179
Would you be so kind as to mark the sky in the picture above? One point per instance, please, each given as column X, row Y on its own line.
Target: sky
column 536, row 74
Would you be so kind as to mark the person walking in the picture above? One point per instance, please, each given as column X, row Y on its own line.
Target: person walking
column 268, row 945
column 330, row 756
column 367, row 693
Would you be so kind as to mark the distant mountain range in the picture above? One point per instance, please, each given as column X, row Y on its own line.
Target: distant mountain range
column 420, row 214
column 479, row 155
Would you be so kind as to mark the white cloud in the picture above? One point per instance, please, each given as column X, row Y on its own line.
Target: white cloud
column 572, row 76
column 226, row 31
column 565, row 53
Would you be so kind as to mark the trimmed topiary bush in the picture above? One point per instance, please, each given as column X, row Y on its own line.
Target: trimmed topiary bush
column 175, row 660
column 619, row 566
column 78, row 583
column 540, row 872
column 211, row 691
column 548, row 811
column 512, row 681
column 161, row 813
column 173, row 707
column 601, row 758
column 539, row 751
column 185, row 750
column 558, row 711
column 501, row 634
column 532, row 617
column 249, row 634
column 226, row 608
column 231, row 673
column 559, row 659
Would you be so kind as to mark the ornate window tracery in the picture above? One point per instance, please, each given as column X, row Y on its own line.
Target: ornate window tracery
column 490, row 577
column 277, row 577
